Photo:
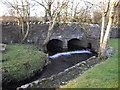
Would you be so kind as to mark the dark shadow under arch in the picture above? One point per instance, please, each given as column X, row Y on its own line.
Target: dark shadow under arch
column 75, row 44
column 54, row 46
column 89, row 46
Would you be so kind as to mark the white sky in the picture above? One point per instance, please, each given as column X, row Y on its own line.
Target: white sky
column 38, row 10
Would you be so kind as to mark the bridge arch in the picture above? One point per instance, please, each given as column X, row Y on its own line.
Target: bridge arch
column 76, row 44
column 54, row 46
column 89, row 46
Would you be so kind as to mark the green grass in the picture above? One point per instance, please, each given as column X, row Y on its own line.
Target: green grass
column 103, row 75
column 23, row 61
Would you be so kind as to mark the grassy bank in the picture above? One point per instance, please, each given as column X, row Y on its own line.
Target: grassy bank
column 103, row 75
column 21, row 61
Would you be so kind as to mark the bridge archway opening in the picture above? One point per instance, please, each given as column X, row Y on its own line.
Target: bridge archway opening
column 54, row 46
column 89, row 46
column 75, row 44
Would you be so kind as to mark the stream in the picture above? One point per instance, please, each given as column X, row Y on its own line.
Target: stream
column 64, row 60
column 59, row 62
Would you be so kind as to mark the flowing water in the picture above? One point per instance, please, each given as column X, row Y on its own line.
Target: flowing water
column 64, row 60
column 69, row 53
column 60, row 62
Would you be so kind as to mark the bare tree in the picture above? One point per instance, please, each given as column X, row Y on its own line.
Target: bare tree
column 97, row 16
column 21, row 10
column 81, row 15
column 105, row 30
column 53, row 8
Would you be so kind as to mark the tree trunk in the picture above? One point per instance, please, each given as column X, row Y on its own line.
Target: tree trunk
column 22, row 30
column 105, row 38
column 50, row 29
column 46, row 17
column 27, row 21
column 27, row 32
column 101, row 51
column 102, row 29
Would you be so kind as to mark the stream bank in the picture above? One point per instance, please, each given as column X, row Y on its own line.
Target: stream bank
column 57, row 65
column 68, row 74
column 62, row 78
column 63, row 69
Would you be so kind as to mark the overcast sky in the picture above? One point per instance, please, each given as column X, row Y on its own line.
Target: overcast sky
column 37, row 10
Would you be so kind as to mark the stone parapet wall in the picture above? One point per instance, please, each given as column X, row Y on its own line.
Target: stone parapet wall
column 10, row 34
column 115, row 32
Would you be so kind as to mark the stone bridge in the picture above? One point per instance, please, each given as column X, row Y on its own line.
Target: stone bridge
column 70, row 37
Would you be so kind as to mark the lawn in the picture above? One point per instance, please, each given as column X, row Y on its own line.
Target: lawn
column 103, row 75
column 21, row 62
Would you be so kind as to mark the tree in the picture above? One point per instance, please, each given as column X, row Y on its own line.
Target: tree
column 21, row 10
column 117, row 16
column 97, row 15
column 105, row 30
column 53, row 8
